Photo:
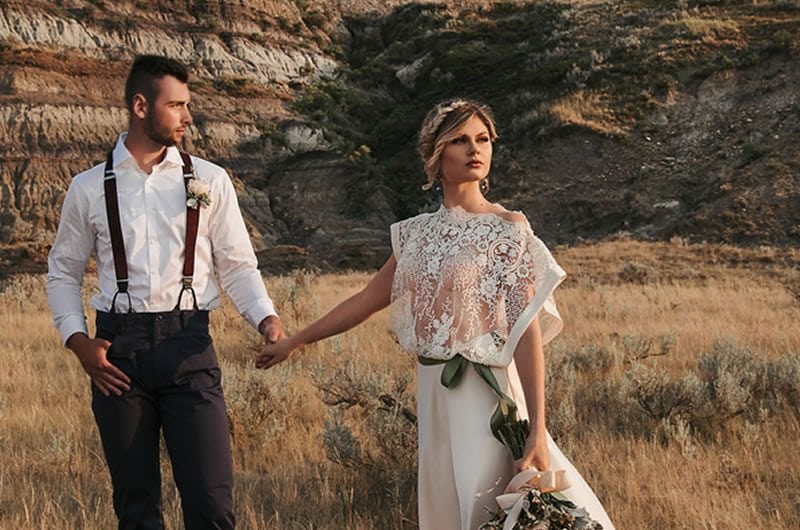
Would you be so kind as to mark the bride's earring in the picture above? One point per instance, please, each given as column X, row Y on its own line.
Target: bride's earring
column 485, row 185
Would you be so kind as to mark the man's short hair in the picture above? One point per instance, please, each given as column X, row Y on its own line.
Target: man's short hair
column 145, row 71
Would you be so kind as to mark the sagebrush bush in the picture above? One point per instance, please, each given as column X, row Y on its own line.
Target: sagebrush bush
column 379, row 438
column 733, row 375
column 637, row 273
column 637, row 347
column 595, row 358
column 294, row 295
column 731, row 386
column 658, row 396
column 253, row 410
column 783, row 383
column 560, row 383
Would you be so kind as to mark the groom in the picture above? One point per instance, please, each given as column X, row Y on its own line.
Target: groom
column 160, row 224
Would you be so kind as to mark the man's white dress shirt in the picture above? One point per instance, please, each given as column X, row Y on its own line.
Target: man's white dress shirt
column 153, row 219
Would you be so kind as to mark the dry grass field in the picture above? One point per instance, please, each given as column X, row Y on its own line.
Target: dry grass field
column 674, row 388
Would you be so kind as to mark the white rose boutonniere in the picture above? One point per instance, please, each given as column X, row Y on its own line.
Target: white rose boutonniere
column 197, row 194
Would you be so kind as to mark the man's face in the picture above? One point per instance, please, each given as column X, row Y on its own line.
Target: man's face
column 168, row 116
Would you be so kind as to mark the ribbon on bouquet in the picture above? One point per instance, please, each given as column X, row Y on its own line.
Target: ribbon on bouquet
column 513, row 499
column 453, row 372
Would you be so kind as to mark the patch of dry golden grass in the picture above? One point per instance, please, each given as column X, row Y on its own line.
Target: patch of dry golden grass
column 586, row 109
column 706, row 27
column 52, row 473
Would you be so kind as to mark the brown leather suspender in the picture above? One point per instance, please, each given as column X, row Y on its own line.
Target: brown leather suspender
column 118, row 244
column 192, row 222
column 115, row 230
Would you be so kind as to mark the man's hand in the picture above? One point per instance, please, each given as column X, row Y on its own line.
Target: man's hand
column 92, row 355
column 271, row 329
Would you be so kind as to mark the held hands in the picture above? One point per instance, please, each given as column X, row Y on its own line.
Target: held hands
column 536, row 453
column 92, row 355
column 273, row 354
column 276, row 345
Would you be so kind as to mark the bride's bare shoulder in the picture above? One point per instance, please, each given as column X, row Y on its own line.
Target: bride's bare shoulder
column 508, row 215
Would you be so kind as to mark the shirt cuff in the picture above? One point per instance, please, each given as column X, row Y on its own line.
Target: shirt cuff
column 261, row 310
column 71, row 325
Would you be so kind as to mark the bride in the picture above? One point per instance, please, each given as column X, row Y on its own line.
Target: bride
column 469, row 281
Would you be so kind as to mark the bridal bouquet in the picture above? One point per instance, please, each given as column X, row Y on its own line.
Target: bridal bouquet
column 532, row 500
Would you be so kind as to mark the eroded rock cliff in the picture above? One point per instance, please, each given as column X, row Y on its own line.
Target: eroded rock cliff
column 645, row 117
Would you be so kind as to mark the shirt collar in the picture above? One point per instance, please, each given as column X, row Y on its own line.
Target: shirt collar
column 122, row 155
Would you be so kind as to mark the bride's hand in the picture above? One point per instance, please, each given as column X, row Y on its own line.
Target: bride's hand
column 275, row 353
column 536, row 453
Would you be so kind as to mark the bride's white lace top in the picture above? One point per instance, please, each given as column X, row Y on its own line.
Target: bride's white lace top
column 470, row 284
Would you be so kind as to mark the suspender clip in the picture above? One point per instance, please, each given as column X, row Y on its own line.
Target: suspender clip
column 187, row 286
column 127, row 295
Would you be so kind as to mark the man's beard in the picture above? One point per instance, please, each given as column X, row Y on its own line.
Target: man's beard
column 157, row 136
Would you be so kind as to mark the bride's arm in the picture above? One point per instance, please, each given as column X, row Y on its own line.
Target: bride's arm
column 348, row 314
column 529, row 358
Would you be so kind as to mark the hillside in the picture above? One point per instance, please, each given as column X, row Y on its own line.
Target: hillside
column 656, row 118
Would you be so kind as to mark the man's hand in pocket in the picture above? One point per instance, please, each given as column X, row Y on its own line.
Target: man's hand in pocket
column 92, row 355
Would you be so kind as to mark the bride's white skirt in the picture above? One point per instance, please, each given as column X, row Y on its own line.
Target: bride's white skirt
column 462, row 467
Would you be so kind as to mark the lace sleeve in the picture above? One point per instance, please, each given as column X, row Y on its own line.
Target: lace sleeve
column 529, row 293
column 398, row 232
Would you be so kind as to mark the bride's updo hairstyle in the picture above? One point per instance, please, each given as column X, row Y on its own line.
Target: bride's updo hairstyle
column 441, row 125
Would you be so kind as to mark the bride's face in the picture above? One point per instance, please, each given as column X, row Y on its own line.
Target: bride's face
column 468, row 156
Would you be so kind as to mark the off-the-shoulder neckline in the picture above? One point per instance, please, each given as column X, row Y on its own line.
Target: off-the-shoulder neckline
column 460, row 211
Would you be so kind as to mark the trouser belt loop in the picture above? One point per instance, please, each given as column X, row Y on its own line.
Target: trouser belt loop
column 185, row 317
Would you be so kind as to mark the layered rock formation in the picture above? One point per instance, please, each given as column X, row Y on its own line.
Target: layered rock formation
column 61, row 108
column 614, row 116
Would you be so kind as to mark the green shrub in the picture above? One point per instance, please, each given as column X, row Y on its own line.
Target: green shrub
column 784, row 41
column 316, row 19
column 751, row 153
